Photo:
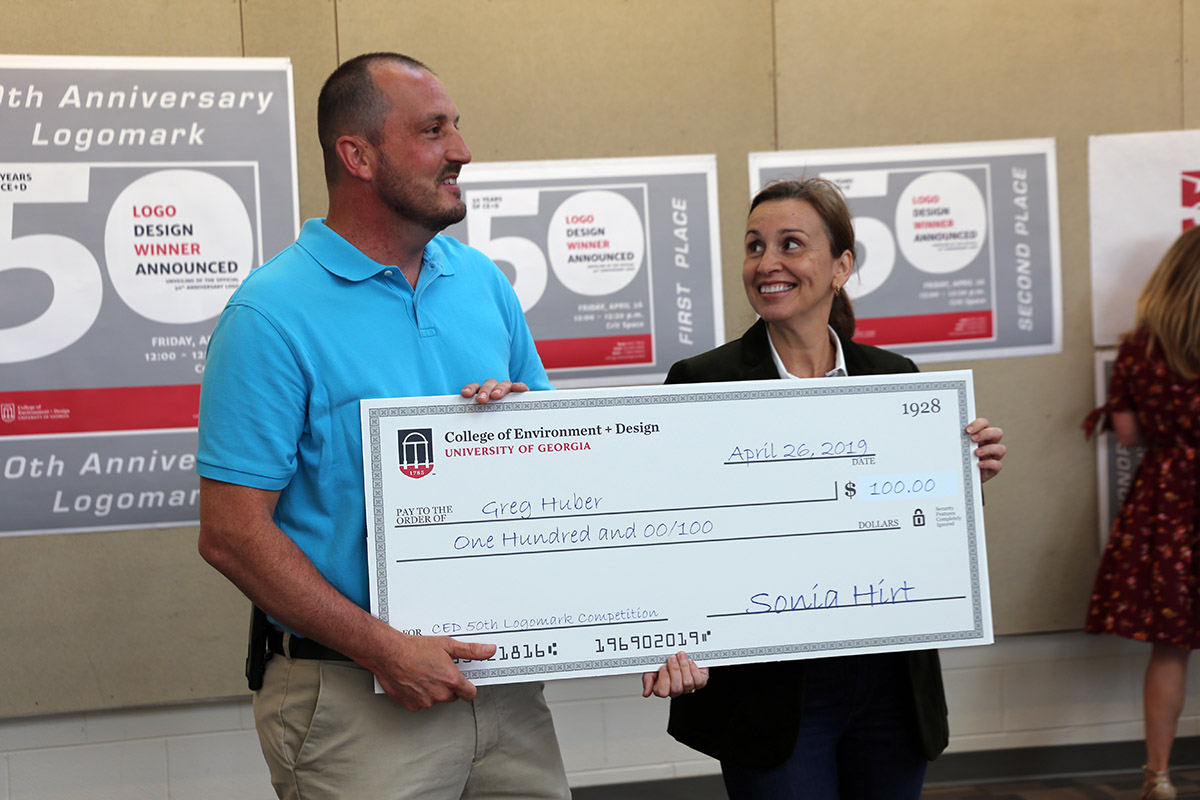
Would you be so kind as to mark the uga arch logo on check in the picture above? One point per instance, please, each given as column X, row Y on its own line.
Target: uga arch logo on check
column 416, row 451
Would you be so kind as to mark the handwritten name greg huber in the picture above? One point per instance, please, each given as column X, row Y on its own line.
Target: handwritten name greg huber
column 523, row 509
column 496, row 443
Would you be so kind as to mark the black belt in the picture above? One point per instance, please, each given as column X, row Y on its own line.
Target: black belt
column 302, row 648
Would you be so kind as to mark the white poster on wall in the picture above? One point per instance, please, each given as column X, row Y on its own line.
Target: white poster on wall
column 616, row 261
column 1115, row 463
column 1144, row 190
column 135, row 196
column 958, row 243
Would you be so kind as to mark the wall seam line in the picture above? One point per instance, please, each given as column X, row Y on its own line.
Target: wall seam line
column 337, row 38
column 775, row 72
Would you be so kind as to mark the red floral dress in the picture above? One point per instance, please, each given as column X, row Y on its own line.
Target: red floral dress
column 1146, row 588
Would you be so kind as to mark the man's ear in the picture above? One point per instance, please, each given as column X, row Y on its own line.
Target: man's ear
column 357, row 156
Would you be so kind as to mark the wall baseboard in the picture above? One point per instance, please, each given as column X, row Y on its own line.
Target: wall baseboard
column 1053, row 762
column 951, row 769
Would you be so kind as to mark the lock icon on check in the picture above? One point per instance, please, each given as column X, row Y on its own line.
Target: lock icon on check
column 918, row 518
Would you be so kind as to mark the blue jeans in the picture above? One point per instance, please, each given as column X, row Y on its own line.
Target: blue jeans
column 858, row 738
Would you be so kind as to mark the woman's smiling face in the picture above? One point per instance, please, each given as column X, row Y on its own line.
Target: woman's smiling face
column 789, row 271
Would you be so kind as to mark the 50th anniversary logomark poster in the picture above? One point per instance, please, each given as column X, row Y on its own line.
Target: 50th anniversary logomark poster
column 135, row 195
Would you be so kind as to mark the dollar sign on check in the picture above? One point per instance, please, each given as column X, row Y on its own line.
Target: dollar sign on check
column 850, row 490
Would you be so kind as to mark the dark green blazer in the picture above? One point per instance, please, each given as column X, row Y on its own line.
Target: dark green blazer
column 749, row 714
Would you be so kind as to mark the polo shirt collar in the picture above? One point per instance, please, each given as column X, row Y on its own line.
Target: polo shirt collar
column 346, row 261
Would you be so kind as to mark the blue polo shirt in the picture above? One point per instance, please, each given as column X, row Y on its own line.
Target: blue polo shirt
column 315, row 330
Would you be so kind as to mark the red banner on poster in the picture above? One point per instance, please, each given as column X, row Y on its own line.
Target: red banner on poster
column 125, row 408
column 883, row 331
column 596, row 350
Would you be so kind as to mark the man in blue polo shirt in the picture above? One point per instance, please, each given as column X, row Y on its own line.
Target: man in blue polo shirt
column 369, row 302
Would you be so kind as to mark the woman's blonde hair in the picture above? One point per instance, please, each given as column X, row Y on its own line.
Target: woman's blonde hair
column 1169, row 306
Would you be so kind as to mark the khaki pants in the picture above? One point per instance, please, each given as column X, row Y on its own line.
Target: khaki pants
column 326, row 734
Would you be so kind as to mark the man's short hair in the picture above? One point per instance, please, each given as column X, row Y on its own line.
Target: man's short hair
column 350, row 102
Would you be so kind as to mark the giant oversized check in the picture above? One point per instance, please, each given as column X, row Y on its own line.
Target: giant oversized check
column 597, row 531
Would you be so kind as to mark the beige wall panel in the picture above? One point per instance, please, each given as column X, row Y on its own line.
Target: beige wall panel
column 129, row 28
column 99, row 620
column 1191, row 63
column 133, row 617
column 304, row 31
column 945, row 70
column 942, row 71
column 542, row 80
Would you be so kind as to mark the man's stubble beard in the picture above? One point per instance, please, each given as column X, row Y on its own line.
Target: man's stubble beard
column 398, row 193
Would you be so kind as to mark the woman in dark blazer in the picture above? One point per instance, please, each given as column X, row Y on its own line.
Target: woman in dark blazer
column 821, row 729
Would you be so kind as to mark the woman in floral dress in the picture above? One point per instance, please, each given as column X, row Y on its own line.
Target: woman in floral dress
column 1146, row 588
